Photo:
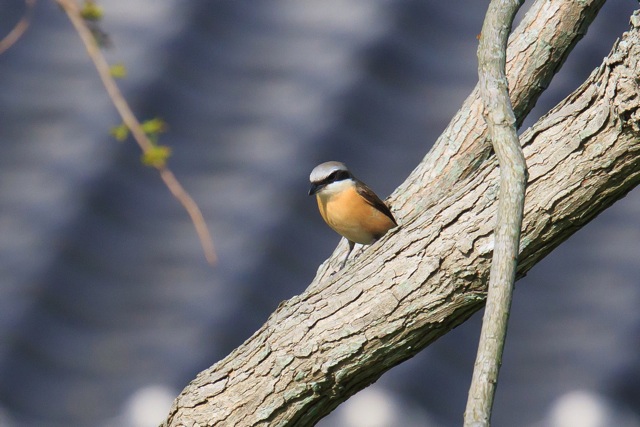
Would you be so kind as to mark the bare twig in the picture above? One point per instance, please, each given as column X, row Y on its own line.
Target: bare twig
column 19, row 29
column 501, row 122
column 130, row 120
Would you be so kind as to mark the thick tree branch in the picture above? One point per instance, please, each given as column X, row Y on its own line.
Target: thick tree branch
column 537, row 49
column 430, row 275
column 513, row 177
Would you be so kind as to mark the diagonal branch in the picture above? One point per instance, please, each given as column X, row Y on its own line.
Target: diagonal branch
column 513, row 178
column 130, row 120
column 430, row 275
column 537, row 49
column 20, row 28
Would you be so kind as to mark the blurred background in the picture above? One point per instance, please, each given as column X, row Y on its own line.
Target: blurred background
column 107, row 306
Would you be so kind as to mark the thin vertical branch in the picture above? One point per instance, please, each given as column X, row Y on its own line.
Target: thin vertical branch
column 130, row 120
column 501, row 121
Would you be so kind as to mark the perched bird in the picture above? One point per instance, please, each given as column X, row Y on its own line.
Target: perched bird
column 348, row 206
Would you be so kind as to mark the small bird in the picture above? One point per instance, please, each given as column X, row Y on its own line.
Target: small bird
column 348, row 206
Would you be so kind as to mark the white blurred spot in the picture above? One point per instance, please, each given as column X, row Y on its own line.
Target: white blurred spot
column 372, row 407
column 579, row 409
column 583, row 408
column 149, row 406
column 377, row 407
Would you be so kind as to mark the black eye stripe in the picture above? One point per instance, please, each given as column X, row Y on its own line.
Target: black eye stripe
column 338, row 175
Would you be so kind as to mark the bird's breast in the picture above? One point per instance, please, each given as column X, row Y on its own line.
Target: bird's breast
column 351, row 216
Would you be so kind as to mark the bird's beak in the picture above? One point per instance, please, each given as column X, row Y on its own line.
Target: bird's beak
column 313, row 189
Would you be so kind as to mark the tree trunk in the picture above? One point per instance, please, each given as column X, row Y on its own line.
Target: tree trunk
column 429, row 275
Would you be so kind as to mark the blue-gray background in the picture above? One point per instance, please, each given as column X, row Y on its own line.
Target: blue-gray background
column 107, row 308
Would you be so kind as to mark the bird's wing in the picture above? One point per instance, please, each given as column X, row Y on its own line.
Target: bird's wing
column 374, row 200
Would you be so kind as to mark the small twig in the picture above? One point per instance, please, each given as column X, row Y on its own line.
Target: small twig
column 130, row 120
column 19, row 29
column 194, row 212
column 501, row 121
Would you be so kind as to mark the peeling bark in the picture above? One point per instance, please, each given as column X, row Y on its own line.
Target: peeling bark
column 429, row 275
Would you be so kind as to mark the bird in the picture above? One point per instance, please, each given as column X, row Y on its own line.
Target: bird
column 348, row 206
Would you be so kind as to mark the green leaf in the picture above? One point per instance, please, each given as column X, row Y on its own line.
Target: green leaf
column 118, row 71
column 91, row 11
column 120, row 132
column 156, row 156
column 154, row 127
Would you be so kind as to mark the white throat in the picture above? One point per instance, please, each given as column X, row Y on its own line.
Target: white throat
column 336, row 187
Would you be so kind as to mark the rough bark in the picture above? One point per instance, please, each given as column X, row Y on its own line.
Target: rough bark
column 537, row 49
column 430, row 274
column 500, row 121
